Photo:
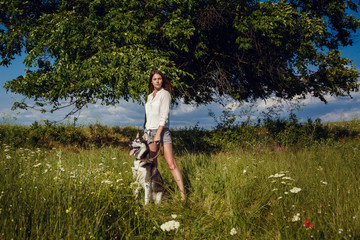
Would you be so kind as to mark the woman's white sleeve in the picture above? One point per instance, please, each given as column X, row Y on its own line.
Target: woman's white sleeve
column 165, row 109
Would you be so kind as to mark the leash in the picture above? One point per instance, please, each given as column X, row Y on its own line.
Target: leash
column 157, row 154
column 147, row 132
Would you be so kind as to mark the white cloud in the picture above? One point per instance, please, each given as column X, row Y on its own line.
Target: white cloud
column 233, row 106
column 124, row 113
column 183, row 109
column 263, row 104
column 132, row 114
column 340, row 115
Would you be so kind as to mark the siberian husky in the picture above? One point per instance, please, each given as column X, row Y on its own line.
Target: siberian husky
column 146, row 174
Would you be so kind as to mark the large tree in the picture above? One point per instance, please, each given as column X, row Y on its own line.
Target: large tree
column 85, row 51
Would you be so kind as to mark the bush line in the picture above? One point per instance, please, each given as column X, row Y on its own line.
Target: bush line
column 267, row 132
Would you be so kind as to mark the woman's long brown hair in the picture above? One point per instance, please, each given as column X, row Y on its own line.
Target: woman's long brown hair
column 166, row 83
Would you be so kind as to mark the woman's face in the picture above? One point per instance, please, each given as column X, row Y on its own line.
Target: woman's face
column 157, row 81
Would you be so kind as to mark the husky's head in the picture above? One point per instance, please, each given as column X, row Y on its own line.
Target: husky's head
column 139, row 147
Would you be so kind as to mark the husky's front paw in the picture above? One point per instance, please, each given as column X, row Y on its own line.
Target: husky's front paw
column 147, row 193
column 157, row 197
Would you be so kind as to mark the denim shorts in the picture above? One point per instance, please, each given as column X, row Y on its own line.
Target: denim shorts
column 165, row 137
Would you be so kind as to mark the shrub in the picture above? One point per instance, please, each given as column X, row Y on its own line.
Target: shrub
column 281, row 132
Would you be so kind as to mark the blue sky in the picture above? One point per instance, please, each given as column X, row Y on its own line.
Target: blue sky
column 132, row 114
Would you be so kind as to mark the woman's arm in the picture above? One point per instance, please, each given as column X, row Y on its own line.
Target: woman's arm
column 164, row 109
column 158, row 134
column 164, row 115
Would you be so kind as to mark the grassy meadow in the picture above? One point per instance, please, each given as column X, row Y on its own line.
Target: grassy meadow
column 259, row 190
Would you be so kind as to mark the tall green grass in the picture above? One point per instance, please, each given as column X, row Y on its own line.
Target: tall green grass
column 238, row 193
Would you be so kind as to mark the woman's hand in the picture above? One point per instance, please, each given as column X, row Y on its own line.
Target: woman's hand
column 157, row 138
column 158, row 135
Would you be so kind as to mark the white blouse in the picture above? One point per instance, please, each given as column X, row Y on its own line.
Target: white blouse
column 157, row 109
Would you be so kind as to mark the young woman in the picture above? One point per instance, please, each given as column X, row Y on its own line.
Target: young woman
column 157, row 109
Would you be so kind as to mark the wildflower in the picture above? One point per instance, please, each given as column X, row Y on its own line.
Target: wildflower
column 233, row 232
column 37, row 165
column 288, row 178
column 106, row 181
column 280, row 197
column 323, row 182
column 340, row 230
column 295, row 190
column 244, row 171
column 68, row 210
column 275, row 189
column 171, row 225
column 277, row 175
column 174, row 216
column 307, row 224
column 296, row 217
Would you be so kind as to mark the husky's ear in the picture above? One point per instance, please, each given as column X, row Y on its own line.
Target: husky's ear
column 137, row 136
column 145, row 136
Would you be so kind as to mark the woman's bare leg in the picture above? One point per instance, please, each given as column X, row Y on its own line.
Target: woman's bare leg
column 175, row 171
column 153, row 151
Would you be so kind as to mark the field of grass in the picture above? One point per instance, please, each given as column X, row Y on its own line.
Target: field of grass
column 259, row 192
